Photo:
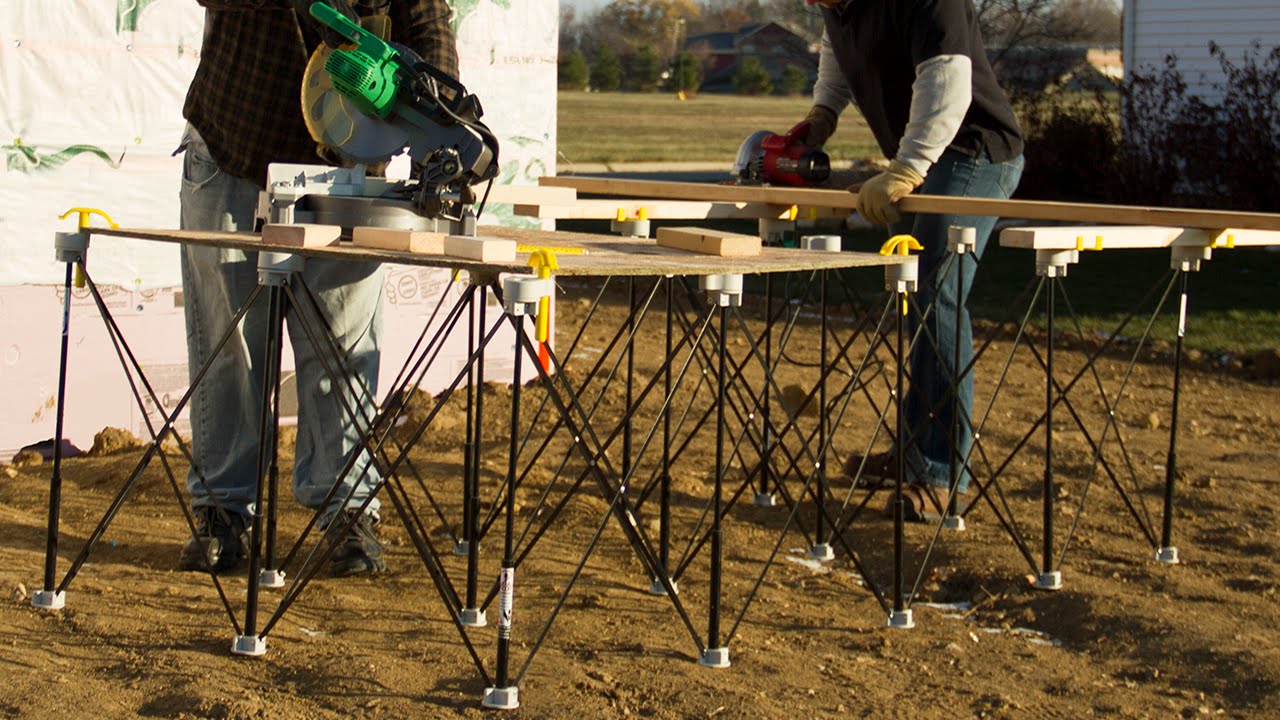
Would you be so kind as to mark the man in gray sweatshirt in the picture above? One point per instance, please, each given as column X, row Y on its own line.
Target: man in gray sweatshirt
column 918, row 72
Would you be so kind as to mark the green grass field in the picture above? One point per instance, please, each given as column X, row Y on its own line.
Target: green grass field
column 653, row 127
column 1233, row 305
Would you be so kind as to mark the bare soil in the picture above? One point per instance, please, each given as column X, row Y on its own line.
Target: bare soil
column 1125, row 636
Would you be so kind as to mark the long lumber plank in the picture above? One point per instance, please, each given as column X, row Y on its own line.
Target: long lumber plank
column 1131, row 236
column 663, row 210
column 1025, row 209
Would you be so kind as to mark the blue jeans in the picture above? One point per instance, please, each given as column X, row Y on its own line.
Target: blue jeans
column 226, row 406
column 929, row 414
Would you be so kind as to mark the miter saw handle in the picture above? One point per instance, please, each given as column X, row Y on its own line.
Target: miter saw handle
column 335, row 20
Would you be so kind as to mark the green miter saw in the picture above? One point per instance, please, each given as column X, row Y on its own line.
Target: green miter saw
column 364, row 103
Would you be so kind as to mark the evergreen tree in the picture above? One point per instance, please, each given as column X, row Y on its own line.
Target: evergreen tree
column 606, row 73
column 573, row 71
column 687, row 74
column 794, row 80
column 646, row 70
column 751, row 78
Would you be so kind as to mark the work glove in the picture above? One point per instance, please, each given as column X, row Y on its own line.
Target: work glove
column 816, row 128
column 330, row 36
column 877, row 196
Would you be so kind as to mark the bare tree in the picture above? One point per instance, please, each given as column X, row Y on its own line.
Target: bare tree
column 1009, row 24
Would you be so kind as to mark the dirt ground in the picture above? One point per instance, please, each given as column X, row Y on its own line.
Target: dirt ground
column 1124, row 637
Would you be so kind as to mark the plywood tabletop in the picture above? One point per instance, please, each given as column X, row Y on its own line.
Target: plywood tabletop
column 576, row 253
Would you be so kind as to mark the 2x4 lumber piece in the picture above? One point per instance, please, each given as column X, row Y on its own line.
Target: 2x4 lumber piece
column 666, row 210
column 935, row 204
column 301, row 235
column 482, row 249
column 421, row 242
column 531, row 195
column 1113, row 236
column 709, row 242
column 804, row 197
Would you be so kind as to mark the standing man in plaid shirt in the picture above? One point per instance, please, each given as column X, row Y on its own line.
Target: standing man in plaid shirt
column 244, row 112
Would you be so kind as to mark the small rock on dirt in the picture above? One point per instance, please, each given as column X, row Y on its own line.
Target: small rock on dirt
column 793, row 396
column 1266, row 364
column 27, row 458
column 111, row 440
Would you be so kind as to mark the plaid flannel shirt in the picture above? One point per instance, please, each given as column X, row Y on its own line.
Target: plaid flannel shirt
column 245, row 98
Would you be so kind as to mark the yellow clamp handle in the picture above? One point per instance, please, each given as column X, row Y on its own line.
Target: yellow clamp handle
column 1081, row 247
column 900, row 245
column 85, row 214
column 543, row 262
column 642, row 213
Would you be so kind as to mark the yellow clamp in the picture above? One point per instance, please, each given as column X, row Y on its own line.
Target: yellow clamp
column 901, row 245
column 1230, row 236
column 543, row 262
column 553, row 249
column 642, row 213
column 85, row 214
column 1080, row 246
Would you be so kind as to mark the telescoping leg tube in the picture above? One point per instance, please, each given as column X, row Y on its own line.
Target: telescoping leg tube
column 521, row 296
column 963, row 241
column 657, row 586
column 821, row 548
column 725, row 291
column 1185, row 261
column 901, row 279
column 1052, row 265
column 471, row 615
column 274, row 271
column 70, row 249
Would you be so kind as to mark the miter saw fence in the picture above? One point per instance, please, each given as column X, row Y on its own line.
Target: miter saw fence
column 772, row 159
column 372, row 99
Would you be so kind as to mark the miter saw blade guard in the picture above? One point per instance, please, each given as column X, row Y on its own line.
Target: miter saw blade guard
column 373, row 99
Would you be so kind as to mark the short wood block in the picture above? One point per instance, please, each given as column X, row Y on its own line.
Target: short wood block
column 303, row 235
column 709, row 242
column 422, row 242
column 483, row 249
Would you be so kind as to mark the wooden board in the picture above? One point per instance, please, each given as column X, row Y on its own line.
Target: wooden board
column 412, row 241
column 301, row 235
column 709, row 242
column 1026, row 209
column 1134, row 236
column 670, row 210
column 483, row 249
column 609, row 256
column 530, row 195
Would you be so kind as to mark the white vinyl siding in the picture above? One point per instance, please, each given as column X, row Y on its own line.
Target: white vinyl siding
column 1155, row 28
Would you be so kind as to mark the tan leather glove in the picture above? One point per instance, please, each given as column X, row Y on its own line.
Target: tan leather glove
column 877, row 196
column 817, row 127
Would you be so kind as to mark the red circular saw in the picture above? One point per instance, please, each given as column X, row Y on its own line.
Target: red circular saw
column 771, row 159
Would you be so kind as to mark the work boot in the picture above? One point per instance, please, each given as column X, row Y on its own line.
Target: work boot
column 221, row 539
column 358, row 550
column 877, row 470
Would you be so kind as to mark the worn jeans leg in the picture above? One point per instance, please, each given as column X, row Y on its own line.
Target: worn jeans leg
column 226, row 407
column 929, row 414
column 349, row 295
column 216, row 282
